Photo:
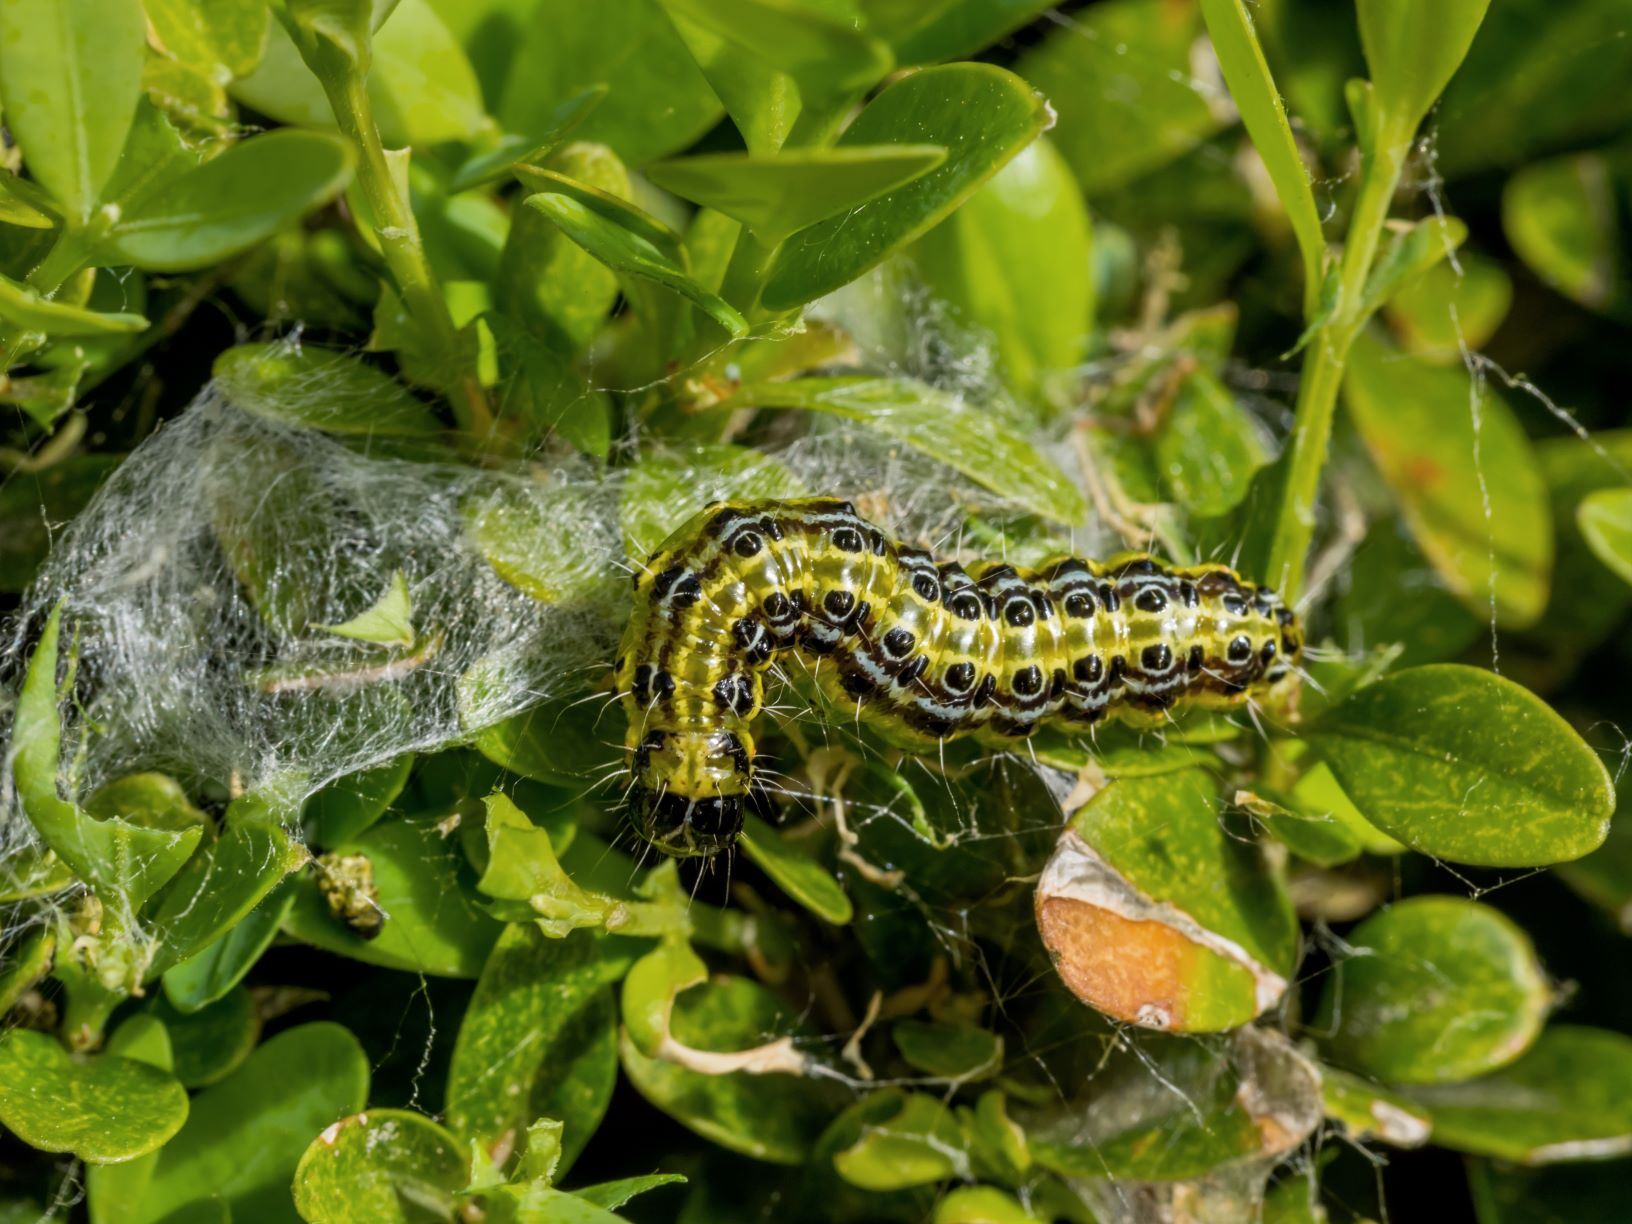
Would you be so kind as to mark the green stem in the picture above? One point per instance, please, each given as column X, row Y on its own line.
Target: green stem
column 1322, row 375
column 404, row 252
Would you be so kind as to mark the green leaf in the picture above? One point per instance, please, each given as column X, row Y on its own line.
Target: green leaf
column 219, row 38
column 388, row 621
column 666, row 489
column 774, row 196
column 981, row 115
column 942, row 425
column 123, row 863
column 521, row 866
column 345, row 25
column 657, row 99
column 493, row 164
column 219, row 886
column 211, row 1043
column 246, row 1134
column 1433, row 989
column 1367, row 1110
column 111, row 1190
column 539, row 1038
column 1605, row 519
column 552, row 742
column 1567, row 1099
column 1407, row 255
column 773, row 1117
column 1412, row 49
column 1246, row 71
column 102, row 1108
column 1155, row 914
column 803, row 879
column 1208, row 447
column 1452, row 309
column 1560, row 216
column 1322, row 839
column 546, row 392
column 922, row 1143
column 632, row 255
column 1465, row 765
column 750, row 49
column 28, row 508
column 650, row 990
column 28, row 959
column 1463, row 473
column 951, row 1051
column 434, row 923
column 207, row 975
column 26, row 310
column 1120, row 76
column 70, row 78
column 926, row 33
column 231, row 202
column 424, row 88
column 348, row 805
column 386, row 1165
column 1016, row 260
column 982, row 1205
column 614, row 1194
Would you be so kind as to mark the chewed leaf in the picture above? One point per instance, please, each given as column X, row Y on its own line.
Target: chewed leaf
column 388, row 622
column 371, row 1166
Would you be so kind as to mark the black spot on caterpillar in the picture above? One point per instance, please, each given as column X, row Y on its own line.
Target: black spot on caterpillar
column 925, row 649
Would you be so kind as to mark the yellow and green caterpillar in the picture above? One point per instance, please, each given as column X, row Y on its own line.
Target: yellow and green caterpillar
column 925, row 649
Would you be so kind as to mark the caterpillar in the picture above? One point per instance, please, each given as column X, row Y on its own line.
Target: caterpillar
column 926, row 649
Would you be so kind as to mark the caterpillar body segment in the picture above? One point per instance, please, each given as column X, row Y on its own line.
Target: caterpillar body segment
column 925, row 650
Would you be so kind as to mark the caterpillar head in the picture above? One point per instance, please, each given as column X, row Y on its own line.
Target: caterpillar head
column 689, row 789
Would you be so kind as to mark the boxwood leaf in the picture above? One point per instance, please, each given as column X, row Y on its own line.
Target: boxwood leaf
column 539, row 1039
column 949, row 1050
column 213, row 1042
column 1605, row 519
column 981, row 114
column 231, row 202
column 386, row 1165
column 103, row 1108
column 70, row 79
column 923, row 1142
column 209, row 974
column 1451, row 309
column 774, row 196
column 122, row 862
column 27, row 310
column 1560, row 216
column 1409, row 253
column 1466, row 765
column 1433, row 989
column 1412, row 50
column 246, row 1134
column 942, row 425
column 485, row 167
column 218, row 37
column 802, row 878
column 1156, row 915
column 772, row 1117
column 279, row 380
column 1569, row 1098
column 1463, row 473
column 632, row 255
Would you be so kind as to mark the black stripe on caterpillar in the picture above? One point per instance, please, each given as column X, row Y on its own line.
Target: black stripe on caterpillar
column 927, row 650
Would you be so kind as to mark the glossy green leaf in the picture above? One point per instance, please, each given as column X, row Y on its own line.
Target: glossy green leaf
column 943, row 425
column 25, row 309
column 1120, row 75
column 70, row 78
column 213, row 1042
column 1015, row 260
column 948, row 1050
column 388, row 621
column 553, row 742
column 539, row 1039
column 1588, row 601
column 1367, row 1110
column 217, row 37
column 1147, row 875
column 1452, row 309
column 1605, row 520
column 209, row 974
column 348, row 805
column 1463, row 473
column 1235, row 42
column 772, row 1117
column 630, row 254
column 486, row 167
column 123, row 863
column 225, row 881
column 112, row 1190
column 1320, row 838
column 802, row 878
column 1412, row 49
column 1567, row 1099
column 1208, row 447
column 614, row 1194
column 102, row 1108
column 246, row 1134
column 425, row 89
column 657, row 101
column 1466, row 765
column 434, row 923
column 926, row 33
column 774, row 196
column 1560, row 217
column 1407, row 254
column 28, row 959
column 666, row 489
column 922, row 1143
column 277, row 381
column 980, row 114
column 1433, row 989
column 386, row 1165
column 981, row 1205
column 231, row 202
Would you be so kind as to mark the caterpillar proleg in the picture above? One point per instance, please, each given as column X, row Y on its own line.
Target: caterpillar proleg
column 927, row 650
